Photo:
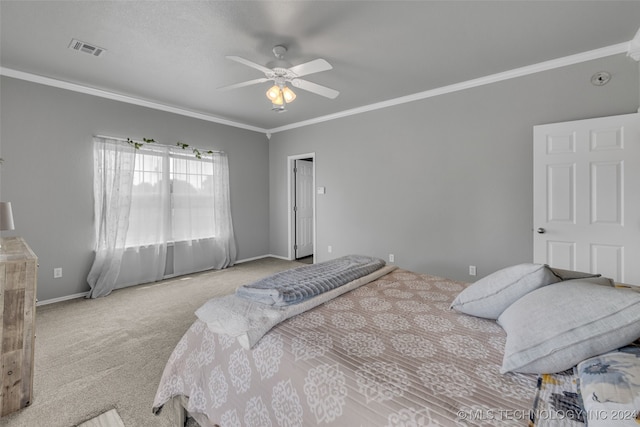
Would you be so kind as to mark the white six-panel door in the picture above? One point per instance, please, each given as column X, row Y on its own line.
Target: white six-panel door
column 587, row 196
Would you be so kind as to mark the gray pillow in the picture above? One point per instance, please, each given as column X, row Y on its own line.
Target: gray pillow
column 553, row 328
column 491, row 295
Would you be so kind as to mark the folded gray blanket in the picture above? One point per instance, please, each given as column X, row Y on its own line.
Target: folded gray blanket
column 299, row 284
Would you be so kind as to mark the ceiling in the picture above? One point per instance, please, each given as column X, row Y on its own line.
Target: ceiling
column 172, row 53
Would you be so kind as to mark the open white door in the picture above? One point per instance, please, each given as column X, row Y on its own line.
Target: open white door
column 586, row 189
column 303, row 208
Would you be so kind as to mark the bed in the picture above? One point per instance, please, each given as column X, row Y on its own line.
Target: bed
column 390, row 352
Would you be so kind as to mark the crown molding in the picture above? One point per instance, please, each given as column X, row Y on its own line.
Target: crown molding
column 123, row 98
column 481, row 81
column 631, row 48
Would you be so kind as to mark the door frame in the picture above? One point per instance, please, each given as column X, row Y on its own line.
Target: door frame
column 291, row 196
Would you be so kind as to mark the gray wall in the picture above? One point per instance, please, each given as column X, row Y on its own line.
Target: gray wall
column 442, row 183
column 446, row 182
column 46, row 142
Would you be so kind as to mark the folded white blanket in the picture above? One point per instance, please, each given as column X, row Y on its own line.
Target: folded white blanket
column 248, row 321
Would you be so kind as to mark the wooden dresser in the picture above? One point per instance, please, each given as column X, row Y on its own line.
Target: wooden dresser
column 18, row 278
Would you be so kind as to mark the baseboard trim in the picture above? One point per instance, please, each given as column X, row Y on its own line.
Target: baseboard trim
column 84, row 294
column 280, row 257
column 60, row 299
column 263, row 257
column 240, row 261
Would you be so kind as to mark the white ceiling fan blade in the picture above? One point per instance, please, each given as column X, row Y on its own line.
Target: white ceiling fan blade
column 315, row 88
column 243, row 84
column 311, row 67
column 249, row 63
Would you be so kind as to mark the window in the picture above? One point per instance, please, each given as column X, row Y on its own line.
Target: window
column 149, row 200
column 192, row 197
column 148, row 197
column 172, row 198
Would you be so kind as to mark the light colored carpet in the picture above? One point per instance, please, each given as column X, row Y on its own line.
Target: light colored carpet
column 95, row 355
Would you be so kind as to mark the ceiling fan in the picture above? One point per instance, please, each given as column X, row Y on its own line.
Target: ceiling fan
column 282, row 73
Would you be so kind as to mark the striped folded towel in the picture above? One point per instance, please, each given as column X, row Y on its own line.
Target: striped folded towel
column 299, row 284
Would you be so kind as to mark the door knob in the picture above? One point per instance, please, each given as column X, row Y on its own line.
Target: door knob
column 541, row 230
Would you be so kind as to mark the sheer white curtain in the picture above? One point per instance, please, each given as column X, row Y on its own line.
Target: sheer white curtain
column 202, row 224
column 113, row 181
column 153, row 196
column 144, row 258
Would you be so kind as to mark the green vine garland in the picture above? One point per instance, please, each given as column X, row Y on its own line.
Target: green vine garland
column 182, row 145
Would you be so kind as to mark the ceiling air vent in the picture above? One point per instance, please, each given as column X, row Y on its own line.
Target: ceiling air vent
column 86, row 48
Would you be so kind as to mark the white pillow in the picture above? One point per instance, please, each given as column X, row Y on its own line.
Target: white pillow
column 491, row 295
column 553, row 328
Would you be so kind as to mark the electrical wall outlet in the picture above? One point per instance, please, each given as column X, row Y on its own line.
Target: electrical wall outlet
column 472, row 270
column 329, row 249
column 57, row 272
column 392, row 257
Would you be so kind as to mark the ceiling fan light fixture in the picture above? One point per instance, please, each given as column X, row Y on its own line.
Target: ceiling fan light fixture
column 280, row 94
column 278, row 108
column 274, row 93
column 279, row 100
column 288, row 94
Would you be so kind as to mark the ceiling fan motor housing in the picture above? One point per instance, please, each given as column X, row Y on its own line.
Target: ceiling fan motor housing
column 279, row 52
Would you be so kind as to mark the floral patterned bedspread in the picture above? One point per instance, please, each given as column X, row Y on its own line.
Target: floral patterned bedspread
column 390, row 353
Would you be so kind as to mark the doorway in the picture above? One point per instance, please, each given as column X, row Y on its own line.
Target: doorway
column 302, row 217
